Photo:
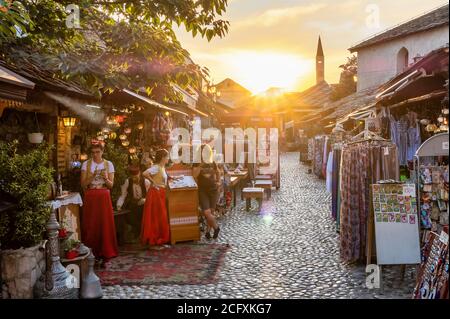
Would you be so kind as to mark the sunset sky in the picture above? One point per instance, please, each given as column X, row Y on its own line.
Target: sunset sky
column 272, row 43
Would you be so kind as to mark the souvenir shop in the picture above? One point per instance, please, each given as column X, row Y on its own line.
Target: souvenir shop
column 401, row 147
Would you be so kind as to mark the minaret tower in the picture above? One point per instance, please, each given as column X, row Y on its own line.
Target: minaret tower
column 320, row 63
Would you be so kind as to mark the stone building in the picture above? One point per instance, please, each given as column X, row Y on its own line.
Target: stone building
column 389, row 53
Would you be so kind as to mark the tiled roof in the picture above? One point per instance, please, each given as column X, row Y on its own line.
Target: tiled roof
column 424, row 22
column 43, row 77
column 352, row 102
column 315, row 96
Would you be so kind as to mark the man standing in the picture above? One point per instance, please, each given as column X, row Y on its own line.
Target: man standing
column 134, row 191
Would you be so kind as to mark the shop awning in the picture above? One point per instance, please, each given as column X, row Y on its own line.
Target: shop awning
column 432, row 95
column 289, row 124
column 153, row 103
column 13, row 86
column 195, row 111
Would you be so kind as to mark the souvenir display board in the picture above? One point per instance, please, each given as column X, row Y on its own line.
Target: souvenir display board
column 396, row 223
column 433, row 186
column 431, row 166
column 432, row 280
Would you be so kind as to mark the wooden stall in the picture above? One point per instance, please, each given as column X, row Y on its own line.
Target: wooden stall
column 182, row 204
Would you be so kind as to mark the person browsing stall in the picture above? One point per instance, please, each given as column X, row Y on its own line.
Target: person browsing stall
column 207, row 176
column 132, row 198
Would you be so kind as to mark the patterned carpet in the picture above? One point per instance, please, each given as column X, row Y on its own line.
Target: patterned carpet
column 182, row 264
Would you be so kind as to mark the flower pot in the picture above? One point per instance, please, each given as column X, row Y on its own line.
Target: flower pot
column 35, row 138
column 71, row 254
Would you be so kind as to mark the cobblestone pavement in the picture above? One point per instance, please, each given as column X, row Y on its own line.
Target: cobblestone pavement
column 290, row 250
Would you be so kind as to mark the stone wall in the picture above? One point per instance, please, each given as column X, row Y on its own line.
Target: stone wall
column 20, row 269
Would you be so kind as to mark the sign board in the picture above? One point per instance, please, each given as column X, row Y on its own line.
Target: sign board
column 396, row 224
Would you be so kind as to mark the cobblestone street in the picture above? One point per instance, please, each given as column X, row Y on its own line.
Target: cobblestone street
column 290, row 250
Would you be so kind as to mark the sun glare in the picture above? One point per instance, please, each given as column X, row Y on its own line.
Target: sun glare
column 259, row 71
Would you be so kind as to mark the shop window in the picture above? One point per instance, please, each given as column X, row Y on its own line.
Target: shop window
column 402, row 60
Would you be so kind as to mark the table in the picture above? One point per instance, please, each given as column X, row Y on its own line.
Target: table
column 234, row 182
column 120, row 223
column 242, row 178
column 183, row 210
column 263, row 177
column 253, row 192
column 79, row 266
column 69, row 213
column 267, row 185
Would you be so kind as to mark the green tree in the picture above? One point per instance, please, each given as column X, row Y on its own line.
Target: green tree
column 118, row 42
column 347, row 81
column 13, row 19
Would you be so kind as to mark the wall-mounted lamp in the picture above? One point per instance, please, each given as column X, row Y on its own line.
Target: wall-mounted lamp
column 69, row 121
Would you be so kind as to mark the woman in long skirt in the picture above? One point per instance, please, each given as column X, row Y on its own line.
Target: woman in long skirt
column 98, row 229
column 155, row 222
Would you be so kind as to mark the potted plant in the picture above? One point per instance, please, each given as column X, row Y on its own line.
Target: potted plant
column 25, row 176
column 71, row 248
column 36, row 137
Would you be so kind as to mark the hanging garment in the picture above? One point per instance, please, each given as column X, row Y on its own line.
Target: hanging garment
column 414, row 141
column 403, row 140
column 319, row 143
column 385, row 127
column 325, row 157
column 362, row 164
column 310, row 149
column 335, row 182
column 329, row 173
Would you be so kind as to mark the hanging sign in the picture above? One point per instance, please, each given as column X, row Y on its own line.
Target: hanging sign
column 396, row 224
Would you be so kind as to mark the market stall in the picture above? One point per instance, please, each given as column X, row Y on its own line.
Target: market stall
column 183, row 210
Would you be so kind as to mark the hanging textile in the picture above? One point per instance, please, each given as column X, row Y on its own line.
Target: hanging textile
column 318, row 160
column 325, row 157
column 310, row 149
column 329, row 173
column 335, row 181
column 414, row 141
column 362, row 164
column 161, row 128
column 399, row 135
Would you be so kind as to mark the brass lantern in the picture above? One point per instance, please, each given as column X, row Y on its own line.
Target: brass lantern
column 69, row 121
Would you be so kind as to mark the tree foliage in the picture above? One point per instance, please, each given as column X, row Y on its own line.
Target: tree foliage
column 119, row 43
column 347, row 83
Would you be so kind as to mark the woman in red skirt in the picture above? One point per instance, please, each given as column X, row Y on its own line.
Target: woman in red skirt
column 98, row 229
column 155, row 222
